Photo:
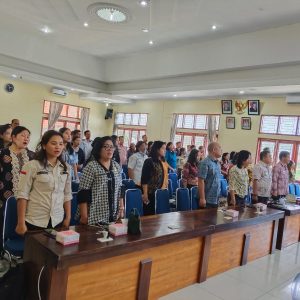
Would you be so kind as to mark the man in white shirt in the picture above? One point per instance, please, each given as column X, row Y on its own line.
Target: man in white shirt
column 136, row 162
column 86, row 145
column 262, row 178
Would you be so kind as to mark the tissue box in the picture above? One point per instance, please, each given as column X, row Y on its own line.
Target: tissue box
column 67, row 237
column 232, row 213
column 261, row 206
column 117, row 229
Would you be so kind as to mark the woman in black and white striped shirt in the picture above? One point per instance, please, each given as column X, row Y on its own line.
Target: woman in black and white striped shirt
column 99, row 195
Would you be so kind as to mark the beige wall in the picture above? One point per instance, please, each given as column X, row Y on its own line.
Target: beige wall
column 161, row 112
column 26, row 104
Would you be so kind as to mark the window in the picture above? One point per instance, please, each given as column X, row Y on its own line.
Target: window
column 195, row 121
column 130, row 135
column 131, row 119
column 286, row 125
column 190, row 139
column 69, row 117
column 276, row 146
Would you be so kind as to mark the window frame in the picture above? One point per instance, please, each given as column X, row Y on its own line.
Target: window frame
column 131, row 115
column 194, row 117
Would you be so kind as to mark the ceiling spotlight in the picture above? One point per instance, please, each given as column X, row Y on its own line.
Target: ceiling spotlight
column 112, row 14
column 175, row 95
column 145, row 30
column 214, row 27
column 85, row 24
column 46, row 29
column 242, row 92
column 14, row 76
column 151, row 42
column 144, row 3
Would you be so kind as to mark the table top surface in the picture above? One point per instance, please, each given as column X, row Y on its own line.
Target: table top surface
column 155, row 231
column 289, row 208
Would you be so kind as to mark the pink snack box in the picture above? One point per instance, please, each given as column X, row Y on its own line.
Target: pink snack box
column 67, row 237
column 232, row 213
column 117, row 229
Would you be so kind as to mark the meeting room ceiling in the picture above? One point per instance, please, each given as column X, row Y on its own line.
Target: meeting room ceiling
column 170, row 22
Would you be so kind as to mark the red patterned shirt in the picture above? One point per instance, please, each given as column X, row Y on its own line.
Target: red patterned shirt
column 280, row 180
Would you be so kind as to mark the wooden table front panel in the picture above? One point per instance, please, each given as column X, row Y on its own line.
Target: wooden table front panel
column 291, row 230
column 227, row 247
column 174, row 266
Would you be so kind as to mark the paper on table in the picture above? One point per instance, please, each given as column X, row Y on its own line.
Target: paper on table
column 103, row 240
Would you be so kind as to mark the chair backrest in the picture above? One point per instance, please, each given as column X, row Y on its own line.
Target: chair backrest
column 224, row 188
column 292, row 189
column 123, row 175
column 183, row 201
column 194, row 198
column 75, row 186
column 125, row 170
column 74, row 206
column 297, row 189
column 128, row 184
column 180, row 183
column 174, row 178
column 133, row 199
column 10, row 219
column 170, row 188
column 162, row 204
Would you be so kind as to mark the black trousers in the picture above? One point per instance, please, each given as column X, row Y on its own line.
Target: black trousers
column 278, row 197
column 263, row 200
column 149, row 209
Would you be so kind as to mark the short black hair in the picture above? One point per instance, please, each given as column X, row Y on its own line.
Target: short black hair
column 4, row 127
column 19, row 129
column 242, row 156
column 138, row 145
column 99, row 145
column 263, row 154
column 283, row 154
column 86, row 131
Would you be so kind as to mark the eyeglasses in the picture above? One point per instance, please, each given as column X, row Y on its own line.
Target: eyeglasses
column 109, row 147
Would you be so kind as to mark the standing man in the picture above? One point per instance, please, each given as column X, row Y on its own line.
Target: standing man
column 86, row 145
column 15, row 123
column 280, row 176
column 209, row 177
column 122, row 151
column 262, row 178
column 178, row 147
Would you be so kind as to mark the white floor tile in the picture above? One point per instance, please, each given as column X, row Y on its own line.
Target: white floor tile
column 267, row 297
column 283, row 291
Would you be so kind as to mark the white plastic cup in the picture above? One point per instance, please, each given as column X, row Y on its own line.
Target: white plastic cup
column 105, row 234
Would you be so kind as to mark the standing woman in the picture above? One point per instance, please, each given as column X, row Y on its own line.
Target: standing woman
column 239, row 179
column 225, row 164
column 154, row 176
column 171, row 157
column 68, row 153
column 44, row 190
column 5, row 136
column 99, row 195
column 79, row 153
column 181, row 159
column 190, row 170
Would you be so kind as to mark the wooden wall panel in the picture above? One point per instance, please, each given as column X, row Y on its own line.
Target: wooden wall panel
column 174, row 266
column 227, row 247
column 291, row 231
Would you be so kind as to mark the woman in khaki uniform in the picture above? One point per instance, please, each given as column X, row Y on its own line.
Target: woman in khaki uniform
column 44, row 190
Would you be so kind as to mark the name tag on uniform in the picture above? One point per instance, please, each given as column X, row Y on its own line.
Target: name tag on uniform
column 42, row 172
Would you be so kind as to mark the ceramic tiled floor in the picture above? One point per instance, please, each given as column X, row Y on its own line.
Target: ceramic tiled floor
column 268, row 278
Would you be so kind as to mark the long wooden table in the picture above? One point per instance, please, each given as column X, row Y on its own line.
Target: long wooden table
column 147, row 266
column 289, row 227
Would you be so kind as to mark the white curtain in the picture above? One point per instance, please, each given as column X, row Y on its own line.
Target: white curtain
column 173, row 127
column 54, row 113
column 212, row 128
column 84, row 122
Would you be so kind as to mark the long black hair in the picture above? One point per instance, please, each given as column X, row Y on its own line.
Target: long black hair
column 98, row 145
column 193, row 157
column 242, row 156
column 169, row 145
column 224, row 155
column 41, row 154
column 69, row 147
column 154, row 150
column 3, row 129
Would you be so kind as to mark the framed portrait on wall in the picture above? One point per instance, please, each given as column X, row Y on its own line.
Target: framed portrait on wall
column 230, row 122
column 227, row 107
column 246, row 123
column 253, row 107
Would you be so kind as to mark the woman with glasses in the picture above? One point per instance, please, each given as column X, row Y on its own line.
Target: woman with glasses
column 99, row 195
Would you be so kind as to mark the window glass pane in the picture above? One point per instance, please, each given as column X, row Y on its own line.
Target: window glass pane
column 298, row 164
column 58, row 125
column 134, row 136
column 79, row 112
column 269, row 124
column 268, row 144
column 135, row 119
column 44, row 126
column 119, row 118
column 288, row 125
column 200, row 122
column 71, row 125
column 141, row 133
column 120, row 132
column 188, row 121
column 126, row 137
column 46, row 107
column 199, row 141
column 179, row 121
column 64, row 110
column 177, row 138
column 298, row 126
column 127, row 119
column 218, row 122
column 285, row 147
column 72, row 111
column 143, row 119
column 187, row 140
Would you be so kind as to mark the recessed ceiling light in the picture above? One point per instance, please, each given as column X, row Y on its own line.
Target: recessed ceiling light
column 144, row 3
column 85, row 24
column 112, row 14
column 242, row 92
column 175, row 95
column 134, row 96
column 151, row 42
column 14, row 76
column 145, row 30
column 106, row 104
column 46, row 29
column 214, row 27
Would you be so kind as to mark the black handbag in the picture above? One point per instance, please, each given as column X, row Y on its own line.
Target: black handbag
column 134, row 222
